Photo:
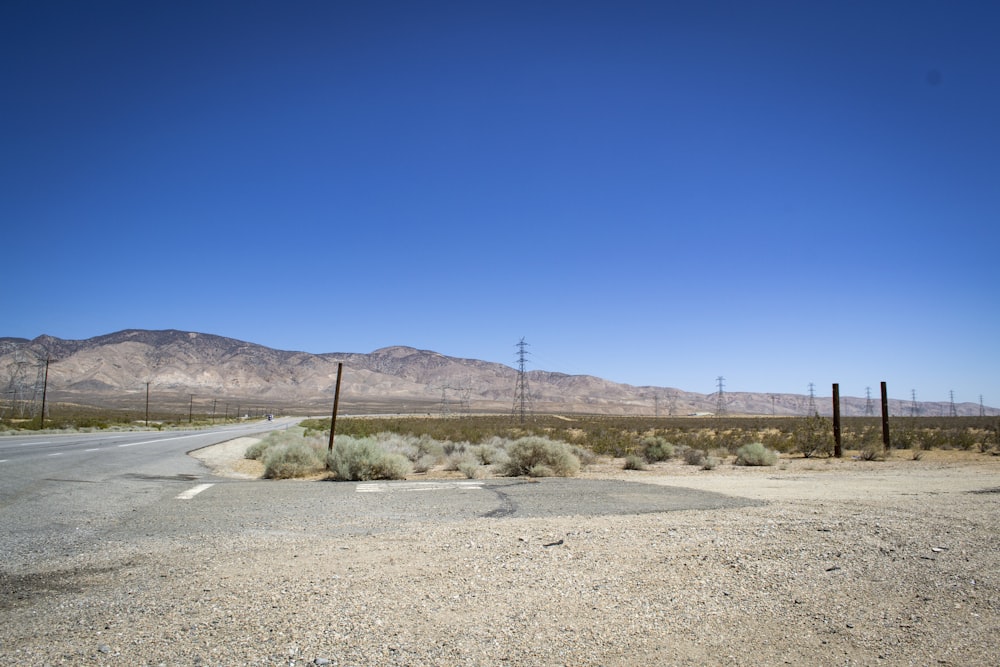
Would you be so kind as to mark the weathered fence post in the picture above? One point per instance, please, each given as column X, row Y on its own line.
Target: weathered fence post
column 885, row 418
column 837, row 448
column 336, row 402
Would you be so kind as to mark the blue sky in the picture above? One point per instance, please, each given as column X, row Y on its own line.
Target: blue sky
column 652, row 192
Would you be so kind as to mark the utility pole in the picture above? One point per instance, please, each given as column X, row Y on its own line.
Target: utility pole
column 191, row 409
column 521, row 388
column 336, row 404
column 869, row 406
column 982, row 409
column 720, row 399
column 952, row 410
column 913, row 403
column 147, row 405
column 45, row 389
column 813, row 412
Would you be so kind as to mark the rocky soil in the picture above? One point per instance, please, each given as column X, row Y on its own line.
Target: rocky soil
column 846, row 563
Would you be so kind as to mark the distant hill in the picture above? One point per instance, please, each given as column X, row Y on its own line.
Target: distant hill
column 185, row 368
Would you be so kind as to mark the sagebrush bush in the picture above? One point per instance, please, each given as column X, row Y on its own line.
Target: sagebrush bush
column 633, row 462
column 471, row 469
column 296, row 459
column 361, row 459
column 656, row 448
column 694, row 456
column 256, row 451
column 755, row 454
column 538, row 456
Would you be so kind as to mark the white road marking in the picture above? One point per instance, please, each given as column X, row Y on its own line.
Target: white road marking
column 193, row 491
column 146, row 442
column 96, row 449
column 57, row 454
column 382, row 487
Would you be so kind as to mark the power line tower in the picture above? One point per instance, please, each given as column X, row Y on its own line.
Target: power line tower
column 952, row 410
column 982, row 408
column 913, row 403
column 521, row 395
column 720, row 399
column 444, row 407
column 869, row 406
column 812, row 400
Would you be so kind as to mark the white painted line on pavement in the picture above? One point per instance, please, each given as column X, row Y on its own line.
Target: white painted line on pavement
column 193, row 491
column 57, row 454
column 146, row 442
column 95, row 449
column 382, row 487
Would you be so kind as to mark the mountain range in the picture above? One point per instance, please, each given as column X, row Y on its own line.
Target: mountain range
column 188, row 371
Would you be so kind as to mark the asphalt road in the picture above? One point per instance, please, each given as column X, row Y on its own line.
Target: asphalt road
column 62, row 495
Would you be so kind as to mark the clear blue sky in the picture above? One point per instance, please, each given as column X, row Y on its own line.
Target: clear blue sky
column 651, row 192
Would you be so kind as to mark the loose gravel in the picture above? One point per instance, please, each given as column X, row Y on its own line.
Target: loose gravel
column 844, row 563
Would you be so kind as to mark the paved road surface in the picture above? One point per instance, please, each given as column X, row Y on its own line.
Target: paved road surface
column 65, row 494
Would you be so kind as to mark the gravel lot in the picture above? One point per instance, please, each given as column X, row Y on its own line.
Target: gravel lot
column 846, row 563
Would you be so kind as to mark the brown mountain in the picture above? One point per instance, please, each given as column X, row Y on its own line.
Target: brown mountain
column 187, row 370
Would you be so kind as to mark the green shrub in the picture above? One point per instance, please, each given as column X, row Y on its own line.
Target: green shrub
column 424, row 463
column 814, row 435
column 633, row 462
column 755, row 454
column 538, row 456
column 694, row 456
column 255, row 452
column 710, row 463
column 470, row 469
column 392, row 466
column 296, row 459
column 656, row 448
column 361, row 459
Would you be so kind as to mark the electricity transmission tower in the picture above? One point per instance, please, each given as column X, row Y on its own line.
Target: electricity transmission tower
column 952, row 410
column 869, row 406
column 521, row 396
column 812, row 400
column 913, row 403
column 720, row 399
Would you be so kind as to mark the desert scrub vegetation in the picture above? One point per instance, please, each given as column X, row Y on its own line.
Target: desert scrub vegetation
column 288, row 454
column 755, row 454
column 538, row 456
column 364, row 459
column 481, row 445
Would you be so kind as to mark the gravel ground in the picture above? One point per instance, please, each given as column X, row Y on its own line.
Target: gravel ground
column 846, row 563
